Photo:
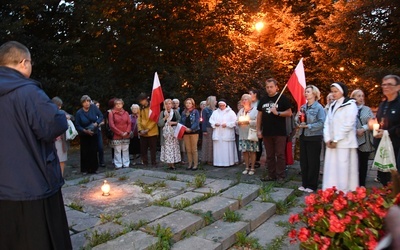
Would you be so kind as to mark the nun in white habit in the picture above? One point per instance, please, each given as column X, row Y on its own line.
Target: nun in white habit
column 341, row 162
column 223, row 122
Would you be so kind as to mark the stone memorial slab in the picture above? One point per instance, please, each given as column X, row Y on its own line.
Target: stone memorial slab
column 196, row 243
column 148, row 214
column 179, row 222
column 242, row 192
column 135, row 240
column 223, row 232
column 257, row 213
column 279, row 194
column 217, row 205
column 215, row 186
column 79, row 221
column 188, row 195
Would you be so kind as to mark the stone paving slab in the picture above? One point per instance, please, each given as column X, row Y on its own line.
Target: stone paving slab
column 269, row 230
column 215, row 186
column 217, row 205
column 188, row 195
column 257, row 213
column 135, row 240
column 278, row 194
column 242, row 192
column 223, row 232
column 196, row 243
column 180, row 222
column 78, row 240
column 178, row 185
column 180, row 177
column 79, row 221
column 148, row 214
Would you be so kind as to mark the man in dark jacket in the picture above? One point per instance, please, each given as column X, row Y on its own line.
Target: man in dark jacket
column 32, row 214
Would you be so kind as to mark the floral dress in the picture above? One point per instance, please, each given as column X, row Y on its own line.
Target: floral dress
column 170, row 150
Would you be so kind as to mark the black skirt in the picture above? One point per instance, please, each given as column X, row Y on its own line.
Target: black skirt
column 134, row 146
column 89, row 162
column 39, row 224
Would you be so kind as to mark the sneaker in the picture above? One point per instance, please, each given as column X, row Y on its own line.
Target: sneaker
column 308, row 190
column 376, row 179
column 301, row 188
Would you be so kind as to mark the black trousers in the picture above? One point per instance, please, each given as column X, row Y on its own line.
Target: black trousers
column 89, row 161
column 38, row 224
column 310, row 162
column 362, row 167
column 259, row 153
column 146, row 143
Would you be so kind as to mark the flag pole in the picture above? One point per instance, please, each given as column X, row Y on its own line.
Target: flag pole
column 279, row 97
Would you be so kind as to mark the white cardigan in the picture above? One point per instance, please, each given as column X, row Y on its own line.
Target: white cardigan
column 340, row 123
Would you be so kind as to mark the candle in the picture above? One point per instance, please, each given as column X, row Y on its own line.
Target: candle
column 244, row 118
column 375, row 128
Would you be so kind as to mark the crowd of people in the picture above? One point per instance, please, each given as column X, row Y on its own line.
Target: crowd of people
column 36, row 125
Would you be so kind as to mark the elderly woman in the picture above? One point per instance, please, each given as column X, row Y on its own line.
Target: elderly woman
column 340, row 168
column 310, row 131
column 167, row 121
column 255, row 98
column 246, row 119
column 223, row 121
column 207, row 143
column 364, row 135
column 61, row 143
column 134, row 145
column 87, row 120
column 191, row 119
column 120, row 124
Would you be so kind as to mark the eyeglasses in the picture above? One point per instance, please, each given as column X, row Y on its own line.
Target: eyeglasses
column 387, row 85
column 118, row 103
column 32, row 63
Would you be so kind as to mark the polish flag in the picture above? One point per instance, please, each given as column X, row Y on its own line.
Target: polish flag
column 157, row 98
column 297, row 84
column 179, row 131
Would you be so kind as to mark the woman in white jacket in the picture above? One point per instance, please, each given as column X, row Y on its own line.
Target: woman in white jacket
column 223, row 121
column 341, row 162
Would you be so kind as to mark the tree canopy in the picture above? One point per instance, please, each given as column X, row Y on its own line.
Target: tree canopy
column 109, row 48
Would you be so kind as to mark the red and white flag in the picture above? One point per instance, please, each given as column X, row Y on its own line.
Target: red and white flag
column 157, row 98
column 297, row 84
column 179, row 131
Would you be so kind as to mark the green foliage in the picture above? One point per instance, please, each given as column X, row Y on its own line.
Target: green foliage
column 104, row 218
column 265, row 192
column 199, row 180
column 76, row 205
column 164, row 236
column 162, row 202
column 247, row 242
column 182, row 204
column 134, row 226
column 283, row 206
column 84, row 181
column 231, row 216
column 95, row 238
column 172, row 177
column 150, row 188
column 109, row 174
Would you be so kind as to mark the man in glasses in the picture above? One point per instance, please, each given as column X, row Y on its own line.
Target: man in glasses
column 32, row 214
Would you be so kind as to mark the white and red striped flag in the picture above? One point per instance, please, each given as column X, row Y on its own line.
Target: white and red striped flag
column 179, row 131
column 297, row 84
column 157, row 98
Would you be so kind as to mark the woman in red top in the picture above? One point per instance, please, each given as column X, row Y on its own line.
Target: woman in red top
column 120, row 124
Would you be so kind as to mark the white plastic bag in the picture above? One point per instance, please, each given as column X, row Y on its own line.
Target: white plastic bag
column 71, row 132
column 384, row 160
column 252, row 136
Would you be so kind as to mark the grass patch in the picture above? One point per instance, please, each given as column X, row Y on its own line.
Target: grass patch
column 134, row 226
column 247, row 242
column 265, row 192
column 76, row 205
column 231, row 216
column 110, row 174
column 182, row 204
column 162, row 202
column 95, row 238
column 199, row 181
column 164, row 236
column 282, row 207
column 123, row 178
column 172, row 177
column 207, row 216
column 84, row 181
column 104, row 218
column 150, row 188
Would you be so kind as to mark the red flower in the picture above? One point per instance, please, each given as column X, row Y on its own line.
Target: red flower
column 293, row 218
column 292, row 234
column 304, row 234
column 310, row 200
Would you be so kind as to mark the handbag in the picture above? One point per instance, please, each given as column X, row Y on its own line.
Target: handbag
column 384, row 160
column 71, row 132
column 252, row 135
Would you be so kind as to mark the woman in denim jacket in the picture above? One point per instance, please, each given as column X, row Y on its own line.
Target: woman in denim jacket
column 310, row 131
column 191, row 119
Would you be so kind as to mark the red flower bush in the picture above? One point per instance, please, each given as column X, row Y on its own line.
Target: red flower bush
column 335, row 220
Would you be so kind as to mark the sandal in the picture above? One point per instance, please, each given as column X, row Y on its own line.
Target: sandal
column 251, row 172
column 245, row 171
column 189, row 168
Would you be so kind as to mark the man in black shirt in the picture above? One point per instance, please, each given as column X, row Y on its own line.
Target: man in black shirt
column 271, row 126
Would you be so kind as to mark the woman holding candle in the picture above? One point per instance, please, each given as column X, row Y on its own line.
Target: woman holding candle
column 223, row 121
column 311, row 125
column 340, row 167
column 247, row 118
column 364, row 137
column 389, row 119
